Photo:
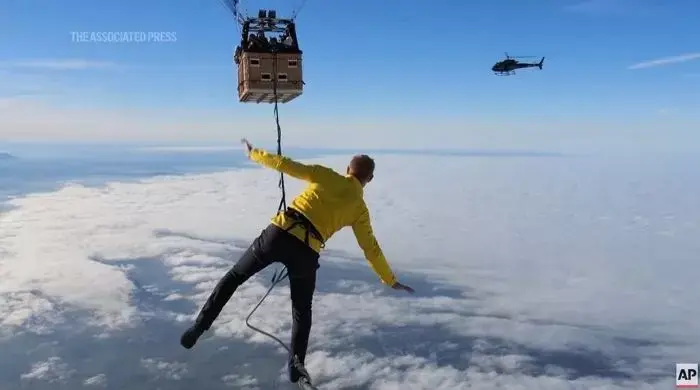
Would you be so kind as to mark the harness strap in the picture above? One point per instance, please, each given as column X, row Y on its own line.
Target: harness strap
column 301, row 220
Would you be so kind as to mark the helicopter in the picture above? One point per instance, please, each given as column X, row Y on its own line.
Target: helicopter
column 508, row 66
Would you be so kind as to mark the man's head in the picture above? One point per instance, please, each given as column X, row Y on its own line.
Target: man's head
column 362, row 168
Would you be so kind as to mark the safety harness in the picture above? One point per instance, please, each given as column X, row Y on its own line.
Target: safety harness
column 301, row 220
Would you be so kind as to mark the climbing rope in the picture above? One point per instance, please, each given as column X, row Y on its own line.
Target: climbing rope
column 278, row 275
column 283, row 202
column 276, row 278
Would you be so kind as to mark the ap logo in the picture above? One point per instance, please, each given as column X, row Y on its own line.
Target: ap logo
column 686, row 375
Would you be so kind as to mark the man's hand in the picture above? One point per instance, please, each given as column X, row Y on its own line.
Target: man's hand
column 399, row 286
column 247, row 146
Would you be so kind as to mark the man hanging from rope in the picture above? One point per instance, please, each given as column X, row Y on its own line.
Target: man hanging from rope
column 295, row 238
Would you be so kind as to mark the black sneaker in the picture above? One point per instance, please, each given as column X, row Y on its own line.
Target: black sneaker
column 297, row 371
column 189, row 338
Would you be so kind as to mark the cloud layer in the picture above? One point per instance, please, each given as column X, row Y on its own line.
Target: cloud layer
column 530, row 274
column 60, row 64
column 666, row 61
column 615, row 7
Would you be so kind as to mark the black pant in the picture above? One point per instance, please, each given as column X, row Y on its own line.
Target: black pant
column 272, row 245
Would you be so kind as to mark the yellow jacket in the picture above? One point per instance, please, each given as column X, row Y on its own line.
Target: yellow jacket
column 331, row 202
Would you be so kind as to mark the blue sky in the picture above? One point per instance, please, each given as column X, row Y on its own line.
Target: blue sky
column 372, row 63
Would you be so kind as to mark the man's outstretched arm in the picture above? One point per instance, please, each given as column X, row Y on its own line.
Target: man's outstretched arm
column 362, row 229
column 310, row 173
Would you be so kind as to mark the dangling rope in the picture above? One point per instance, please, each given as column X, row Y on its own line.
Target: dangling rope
column 279, row 275
column 283, row 201
column 276, row 278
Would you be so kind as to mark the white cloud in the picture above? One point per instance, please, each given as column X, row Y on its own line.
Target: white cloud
column 169, row 370
column 350, row 370
column 57, row 117
column 594, row 5
column 97, row 380
column 60, row 64
column 520, row 268
column 186, row 149
column 54, row 120
column 51, row 370
column 30, row 309
column 615, row 7
column 245, row 382
column 666, row 61
column 24, row 88
column 36, row 120
column 668, row 111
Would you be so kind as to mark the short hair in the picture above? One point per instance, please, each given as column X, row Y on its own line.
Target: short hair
column 362, row 167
